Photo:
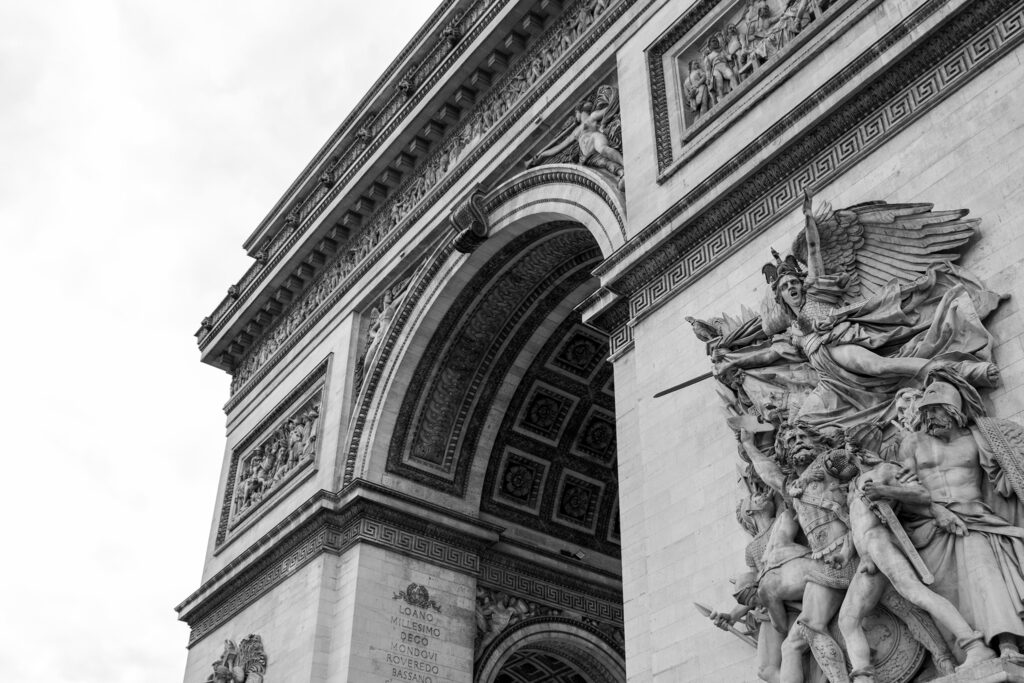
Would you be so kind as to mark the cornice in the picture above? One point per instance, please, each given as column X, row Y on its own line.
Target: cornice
column 344, row 166
column 382, row 237
column 332, row 523
column 346, row 132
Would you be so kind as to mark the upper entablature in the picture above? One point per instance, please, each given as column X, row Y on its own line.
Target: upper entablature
column 456, row 60
column 430, row 121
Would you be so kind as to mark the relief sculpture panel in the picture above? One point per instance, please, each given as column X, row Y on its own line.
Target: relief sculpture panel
column 737, row 46
column 884, row 502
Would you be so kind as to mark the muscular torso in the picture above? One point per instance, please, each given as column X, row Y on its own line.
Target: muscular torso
column 950, row 471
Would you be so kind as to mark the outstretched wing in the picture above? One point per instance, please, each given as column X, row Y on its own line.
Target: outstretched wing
column 876, row 242
column 608, row 98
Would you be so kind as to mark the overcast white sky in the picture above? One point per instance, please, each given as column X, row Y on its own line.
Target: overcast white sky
column 141, row 142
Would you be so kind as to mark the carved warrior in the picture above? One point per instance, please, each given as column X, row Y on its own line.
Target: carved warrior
column 591, row 137
column 854, row 392
column 740, row 45
column 242, row 663
column 290, row 446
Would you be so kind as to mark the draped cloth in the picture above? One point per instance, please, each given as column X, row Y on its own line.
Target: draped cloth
column 937, row 316
column 981, row 573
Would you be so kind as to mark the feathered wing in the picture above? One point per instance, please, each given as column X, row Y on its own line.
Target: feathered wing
column 875, row 242
column 608, row 98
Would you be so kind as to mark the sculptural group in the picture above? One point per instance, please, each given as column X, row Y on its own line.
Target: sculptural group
column 885, row 503
column 741, row 46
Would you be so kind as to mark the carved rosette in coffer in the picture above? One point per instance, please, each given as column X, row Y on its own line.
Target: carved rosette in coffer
column 275, row 455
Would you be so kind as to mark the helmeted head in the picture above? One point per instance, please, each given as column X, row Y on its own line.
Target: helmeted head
column 941, row 408
column 789, row 290
column 746, row 589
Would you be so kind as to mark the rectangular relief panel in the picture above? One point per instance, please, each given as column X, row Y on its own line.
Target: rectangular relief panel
column 723, row 56
column 275, row 456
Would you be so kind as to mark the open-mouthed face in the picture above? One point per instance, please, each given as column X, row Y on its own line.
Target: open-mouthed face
column 791, row 291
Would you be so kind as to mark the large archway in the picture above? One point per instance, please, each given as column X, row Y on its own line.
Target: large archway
column 491, row 397
column 551, row 651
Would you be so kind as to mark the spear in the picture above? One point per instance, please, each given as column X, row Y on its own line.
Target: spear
column 694, row 380
column 749, row 640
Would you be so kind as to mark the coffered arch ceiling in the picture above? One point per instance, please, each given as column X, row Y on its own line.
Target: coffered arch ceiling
column 510, row 406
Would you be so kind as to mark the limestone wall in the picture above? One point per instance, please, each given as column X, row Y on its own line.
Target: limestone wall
column 293, row 619
column 677, row 457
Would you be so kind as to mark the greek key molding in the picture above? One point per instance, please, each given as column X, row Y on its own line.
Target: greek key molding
column 961, row 49
column 327, row 531
column 555, row 589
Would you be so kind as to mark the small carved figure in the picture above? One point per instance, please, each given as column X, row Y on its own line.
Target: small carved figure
column 590, row 134
column 696, row 91
column 717, row 65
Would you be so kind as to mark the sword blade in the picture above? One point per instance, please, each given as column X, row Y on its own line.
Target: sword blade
column 699, row 378
column 706, row 611
column 888, row 517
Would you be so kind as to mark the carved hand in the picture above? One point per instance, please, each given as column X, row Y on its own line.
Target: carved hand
column 875, row 491
column 722, row 620
column 948, row 522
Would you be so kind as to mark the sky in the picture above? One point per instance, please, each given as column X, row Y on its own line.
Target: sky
column 142, row 142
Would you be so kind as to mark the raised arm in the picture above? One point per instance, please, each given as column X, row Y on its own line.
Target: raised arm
column 815, row 265
column 765, row 467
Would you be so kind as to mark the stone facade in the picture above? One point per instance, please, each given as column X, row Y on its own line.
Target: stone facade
column 445, row 456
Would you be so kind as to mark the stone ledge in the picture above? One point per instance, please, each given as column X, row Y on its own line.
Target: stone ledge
column 992, row 671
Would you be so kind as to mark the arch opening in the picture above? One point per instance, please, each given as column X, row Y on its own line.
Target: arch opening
column 554, row 650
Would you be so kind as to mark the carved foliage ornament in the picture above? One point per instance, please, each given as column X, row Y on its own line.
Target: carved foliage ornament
column 497, row 611
column 487, row 115
column 245, row 662
column 854, row 393
column 417, row 596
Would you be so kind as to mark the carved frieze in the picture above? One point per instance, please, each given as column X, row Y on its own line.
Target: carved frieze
column 278, row 457
column 276, row 452
column 716, row 51
column 498, row 610
column 451, row 156
column 931, row 72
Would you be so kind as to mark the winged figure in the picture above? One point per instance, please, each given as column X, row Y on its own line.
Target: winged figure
column 870, row 297
column 591, row 137
column 245, row 662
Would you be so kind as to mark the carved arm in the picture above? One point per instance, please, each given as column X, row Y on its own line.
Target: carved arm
column 765, row 467
column 554, row 149
column 815, row 264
